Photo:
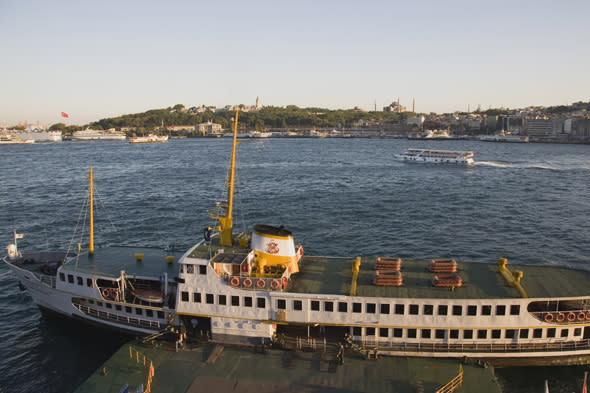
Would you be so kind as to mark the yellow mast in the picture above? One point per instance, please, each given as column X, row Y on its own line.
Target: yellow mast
column 91, row 241
column 226, row 222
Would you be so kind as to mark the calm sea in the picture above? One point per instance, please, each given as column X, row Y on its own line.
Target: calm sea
column 529, row 203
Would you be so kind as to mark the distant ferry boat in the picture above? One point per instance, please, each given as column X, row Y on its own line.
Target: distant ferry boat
column 40, row 136
column 98, row 135
column 438, row 156
column 503, row 137
column 14, row 140
column 151, row 138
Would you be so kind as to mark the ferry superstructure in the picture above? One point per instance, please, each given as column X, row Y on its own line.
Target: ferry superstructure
column 438, row 156
column 151, row 138
column 98, row 135
column 257, row 288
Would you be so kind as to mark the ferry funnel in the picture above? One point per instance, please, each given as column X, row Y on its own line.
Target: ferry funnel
column 274, row 246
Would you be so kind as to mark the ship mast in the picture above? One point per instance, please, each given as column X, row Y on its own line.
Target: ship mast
column 91, row 211
column 226, row 222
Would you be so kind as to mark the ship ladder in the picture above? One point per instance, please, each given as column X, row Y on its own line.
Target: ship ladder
column 454, row 383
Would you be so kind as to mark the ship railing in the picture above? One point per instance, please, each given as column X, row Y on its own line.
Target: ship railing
column 475, row 347
column 540, row 315
column 47, row 280
column 121, row 319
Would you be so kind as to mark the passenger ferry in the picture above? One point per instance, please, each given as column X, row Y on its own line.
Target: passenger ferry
column 259, row 287
column 98, row 135
column 151, row 138
column 438, row 156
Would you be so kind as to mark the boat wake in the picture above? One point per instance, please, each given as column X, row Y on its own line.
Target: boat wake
column 531, row 165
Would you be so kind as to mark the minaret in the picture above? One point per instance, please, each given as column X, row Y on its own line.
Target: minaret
column 413, row 105
column 257, row 102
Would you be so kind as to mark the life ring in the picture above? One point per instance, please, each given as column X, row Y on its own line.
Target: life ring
column 588, row 315
column 548, row 317
column 275, row 284
column 571, row 317
column 260, row 283
column 581, row 316
column 247, row 283
column 560, row 317
column 106, row 293
column 114, row 293
column 234, row 281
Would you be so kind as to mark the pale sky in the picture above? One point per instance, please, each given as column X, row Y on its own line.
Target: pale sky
column 97, row 59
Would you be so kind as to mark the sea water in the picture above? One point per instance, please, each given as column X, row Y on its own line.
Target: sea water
column 529, row 203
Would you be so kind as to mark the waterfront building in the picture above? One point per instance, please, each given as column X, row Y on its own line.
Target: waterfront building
column 209, row 128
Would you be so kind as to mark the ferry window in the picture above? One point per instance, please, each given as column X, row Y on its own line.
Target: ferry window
column 99, row 304
column 196, row 297
column 89, row 282
column 80, row 280
column 297, row 305
column 342, row 307
column 457, row 310
column 328, row 306
column 428, row 309
column 203, row 269
column 315, row 305
column 425, row 333
column 577, row 331
column 357, row 331
column 281, row 304
column 454, row 333
column 222, row 299
column 184, row 296
column 356, row 307
column 468, row 334
column 510, row 333
column 109, row 305
column 128, row 309
column 413, row 309
column 70, row 279
column 439, row 333
column 514, row 309
column 161, row 314
column 385, row 309
column 383, row 332
column 138, row 311
column 411, row 333
column 91, row 301
column 496, row 333
column 538, row 333
column 118, row 307
column 550, row 332
column 209, row 298
column 149, row 313
column 371, row 308
column 370, row 331
column 62, row 277
column 235, row 300
column 486, row 310
column 261, row 302
column 500, row 310
column 482, row 334
column 190, row 269
column 397, row 332
column 247, row 301
column 564, row 332
column 471, row 310
column 399, row 309
column 443, row 310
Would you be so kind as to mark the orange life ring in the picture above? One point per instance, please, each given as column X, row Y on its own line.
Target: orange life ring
column 234, row 281
column 114, row 293
column 581, row 316
column 588, row 315
column 260, row 283
column 571, row 317
column 560, row 317
column 247, row 283
column 106, row 292
column 548, row 317
column 275, row 284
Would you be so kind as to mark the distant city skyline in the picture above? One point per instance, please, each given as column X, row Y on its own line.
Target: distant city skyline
column 101, row 60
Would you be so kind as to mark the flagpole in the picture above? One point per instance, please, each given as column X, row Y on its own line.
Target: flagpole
column 15, row 245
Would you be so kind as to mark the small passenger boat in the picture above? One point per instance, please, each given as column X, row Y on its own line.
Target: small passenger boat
column 438, row 156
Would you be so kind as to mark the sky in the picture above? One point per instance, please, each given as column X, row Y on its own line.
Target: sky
column 100, row 59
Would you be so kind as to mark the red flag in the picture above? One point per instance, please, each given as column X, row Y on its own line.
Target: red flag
column 63, row 114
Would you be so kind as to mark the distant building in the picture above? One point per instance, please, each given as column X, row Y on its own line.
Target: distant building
column 394, row 107
column 580, row 127
column 209, row 128
column 543, row 127
column 180, row 128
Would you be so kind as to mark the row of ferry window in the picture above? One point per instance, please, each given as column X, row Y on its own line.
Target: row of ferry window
column 370, row 308
column 467, row 334
column 190, row 269
column 400, row 309
column 79, row 280
column 129, row 310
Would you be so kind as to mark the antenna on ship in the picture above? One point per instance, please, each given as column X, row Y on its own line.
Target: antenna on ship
column 226, row 222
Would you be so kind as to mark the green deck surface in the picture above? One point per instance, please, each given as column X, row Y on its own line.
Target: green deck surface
column 243, row 370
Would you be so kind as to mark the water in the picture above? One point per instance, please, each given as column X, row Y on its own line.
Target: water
column 346, row 197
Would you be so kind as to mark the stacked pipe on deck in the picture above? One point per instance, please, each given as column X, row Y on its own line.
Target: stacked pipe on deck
column 387, row 272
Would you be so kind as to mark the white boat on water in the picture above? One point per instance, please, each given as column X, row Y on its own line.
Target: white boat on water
column 98, row 135
column 151, row 138
column 41, row 136
column 504, row 137
column 256, row 288
column 259, row 134
column 10, row 139
column 438, row 156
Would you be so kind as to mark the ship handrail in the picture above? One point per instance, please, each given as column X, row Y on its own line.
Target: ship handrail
column 120, row 319
column 47, row 280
